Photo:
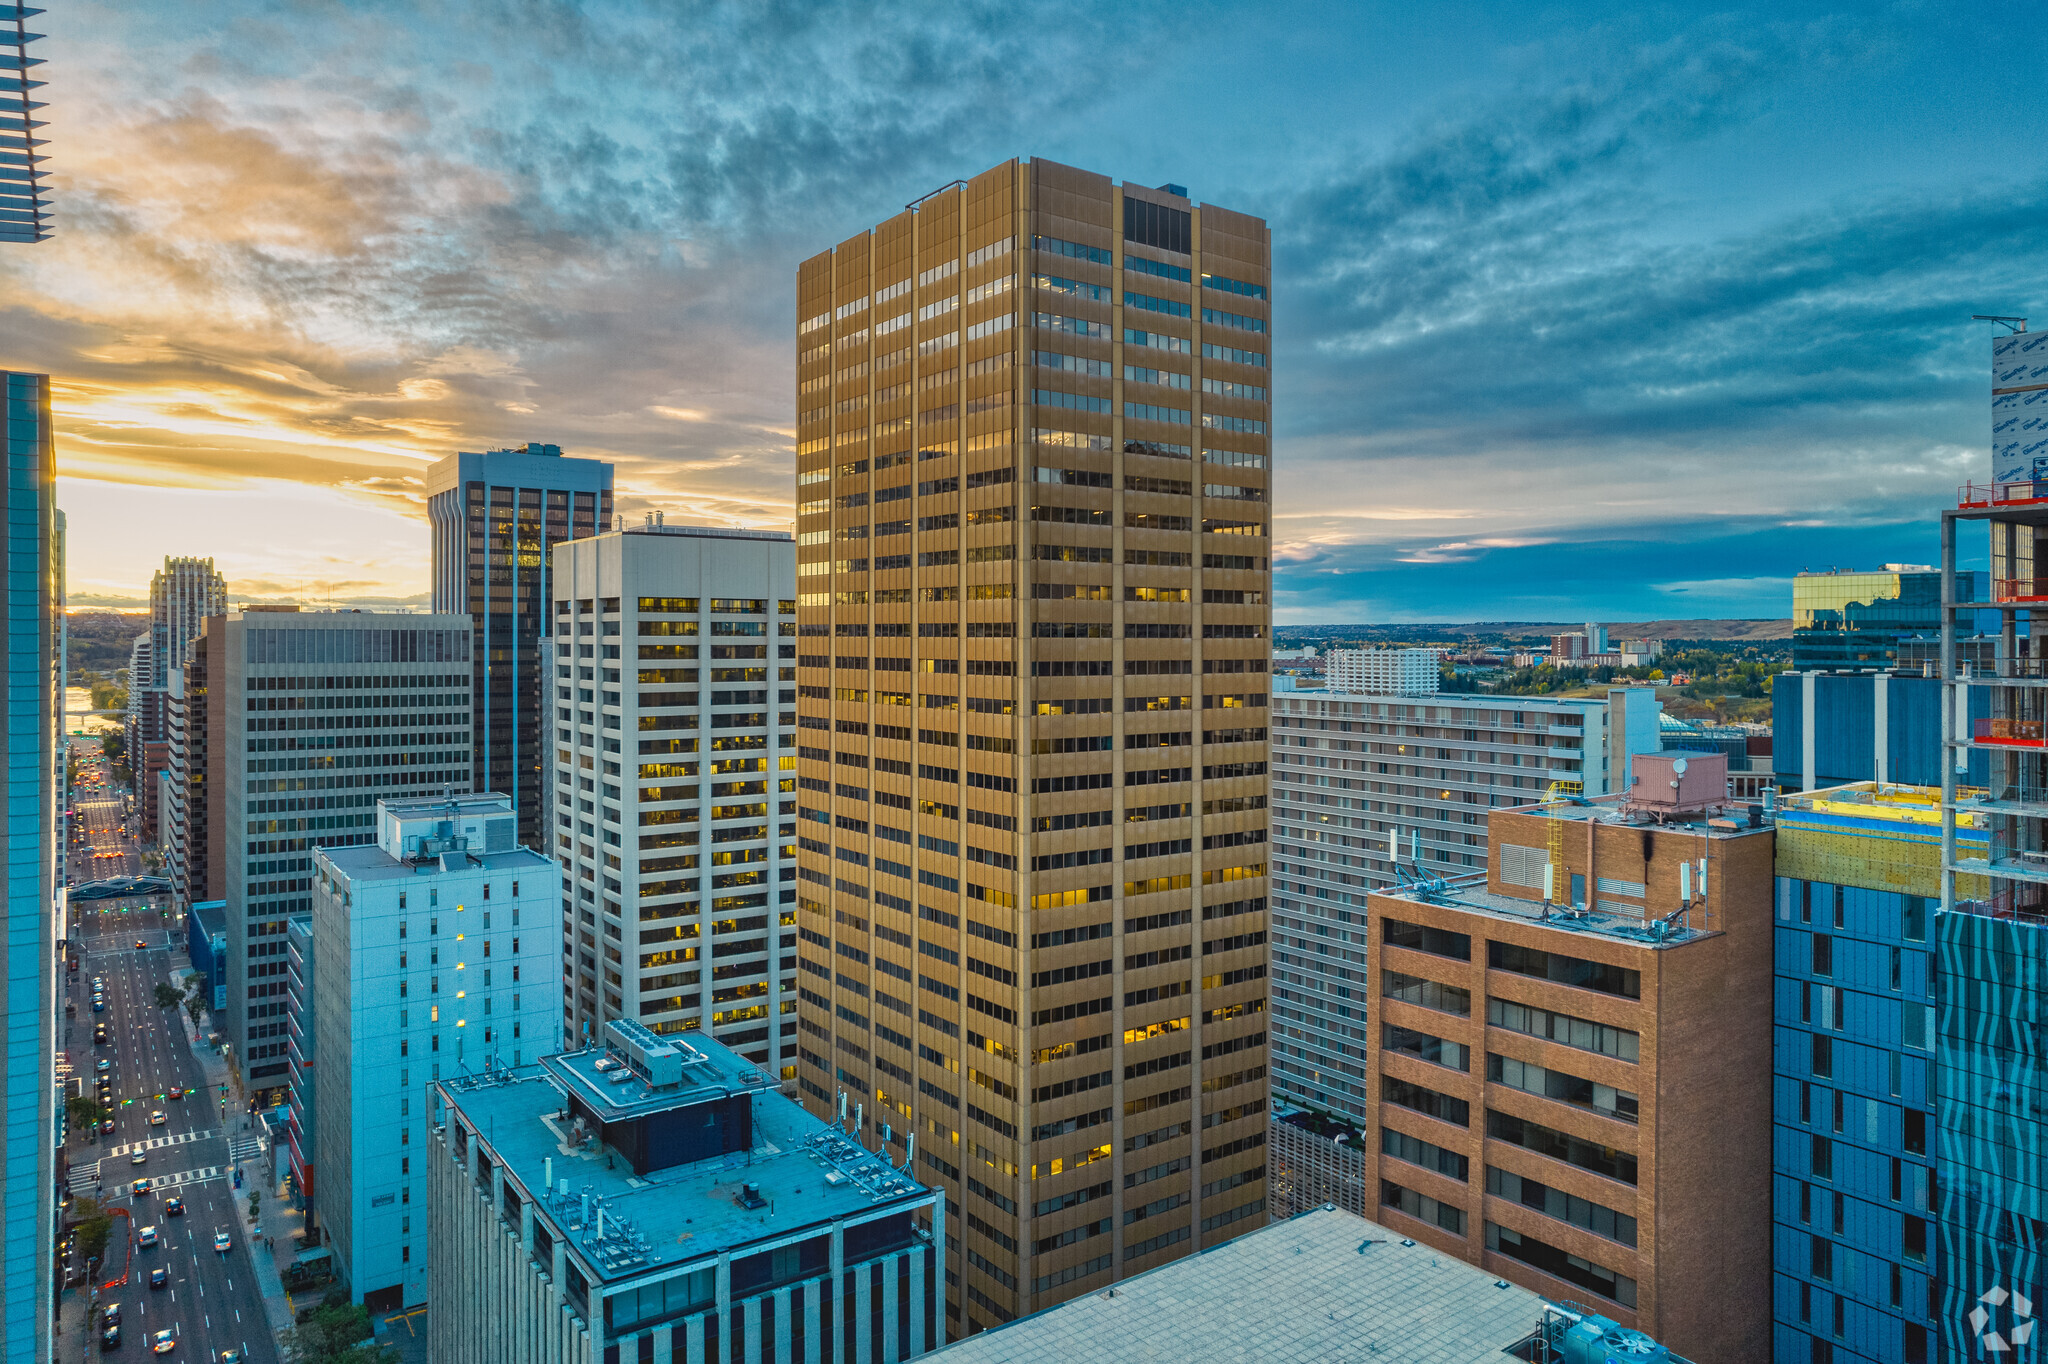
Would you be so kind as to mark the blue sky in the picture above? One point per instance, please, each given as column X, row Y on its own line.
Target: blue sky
column 1581, row 311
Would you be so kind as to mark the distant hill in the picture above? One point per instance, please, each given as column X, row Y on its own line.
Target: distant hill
column 99, row 640
column 1739, row 630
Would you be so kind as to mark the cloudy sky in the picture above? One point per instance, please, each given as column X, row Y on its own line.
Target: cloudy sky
column 1581, row 310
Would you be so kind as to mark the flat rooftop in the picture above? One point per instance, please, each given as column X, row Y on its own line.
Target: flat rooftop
column 1728, row 820
column 371, row 863
column 1325, row 1285
column 1469, row 893
column 807, row 1172
column 709, row 1073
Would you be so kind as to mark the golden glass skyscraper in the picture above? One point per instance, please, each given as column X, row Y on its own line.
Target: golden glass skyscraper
column 1034, row 577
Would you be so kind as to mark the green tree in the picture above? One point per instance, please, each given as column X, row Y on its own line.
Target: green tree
column 84, row 1113
column 338, row 1333
column 95, row 1227
column 167, row 996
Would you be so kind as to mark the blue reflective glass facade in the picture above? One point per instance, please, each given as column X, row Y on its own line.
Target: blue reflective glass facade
column 1852, row 1084
column 1992, row 1146
column 27, row 1141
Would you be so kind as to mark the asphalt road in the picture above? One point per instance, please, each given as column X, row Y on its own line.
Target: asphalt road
column 211, row 1300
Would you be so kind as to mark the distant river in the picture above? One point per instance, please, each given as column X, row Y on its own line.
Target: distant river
column 77, row 701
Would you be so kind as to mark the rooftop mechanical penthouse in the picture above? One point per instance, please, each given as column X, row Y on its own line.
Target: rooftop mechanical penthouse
column 656, row 1199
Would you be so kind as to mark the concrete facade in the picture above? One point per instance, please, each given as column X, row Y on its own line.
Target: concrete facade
column 673, row 775
column 433, row 961
column 1348, row 772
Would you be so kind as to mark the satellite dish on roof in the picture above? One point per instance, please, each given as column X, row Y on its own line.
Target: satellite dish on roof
column 1678, row 766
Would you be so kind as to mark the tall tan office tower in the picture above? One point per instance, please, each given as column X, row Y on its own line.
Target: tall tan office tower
column 1033, row 576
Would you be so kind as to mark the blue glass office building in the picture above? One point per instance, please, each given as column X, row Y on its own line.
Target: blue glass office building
column 1992, row 1146
column 1853, row 1083
column 27, row 1226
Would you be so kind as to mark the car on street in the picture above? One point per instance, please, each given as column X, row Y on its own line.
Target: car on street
column 106, row 1124
column 222, row 1242
column 104, row 1066
column 139, row 1187
column 146, row 1237
column 110, row 1315
column 177, row 1093
column 99, row 1006
column 110, row 1339
column 156, row 1117
column 140, row 944
column 230, row 1357
column 140, row 1157
column 174, row 1207
column 159, row 1276
column 99, row 1034
column 163, row 1342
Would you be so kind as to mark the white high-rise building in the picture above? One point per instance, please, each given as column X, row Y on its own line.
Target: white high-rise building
column 1381, row 671
column 673, row 674
column 1348, row 771
column 439, row 957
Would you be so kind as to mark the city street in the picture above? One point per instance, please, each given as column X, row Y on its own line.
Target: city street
column 211, row 1299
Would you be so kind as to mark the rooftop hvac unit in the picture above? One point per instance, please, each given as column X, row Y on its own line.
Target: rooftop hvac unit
column 1667, row 783
column 1587, row 1339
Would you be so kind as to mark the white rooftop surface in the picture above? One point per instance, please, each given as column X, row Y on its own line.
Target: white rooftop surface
column 1312, row 1288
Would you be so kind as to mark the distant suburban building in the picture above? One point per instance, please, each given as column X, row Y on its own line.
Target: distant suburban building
column 1382, row 671
column 293, row 725
column 438, row 956
column 1326, row 1285
column 674, row 778
column 496, row 518
column 656, row 1198
column 1351, row 772
column 34, row 725
column 1561, row 1091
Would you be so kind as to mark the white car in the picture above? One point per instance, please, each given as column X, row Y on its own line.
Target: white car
column 156, row 1117
column 222, row 1242
column 146, row 1237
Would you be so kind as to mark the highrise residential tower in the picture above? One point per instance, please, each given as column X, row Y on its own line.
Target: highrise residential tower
column 1033, row 577
column 27, row 1141
column 24, row 209
column 675, row 784
column 182, row 595
column 294, row 724
column 496, row 516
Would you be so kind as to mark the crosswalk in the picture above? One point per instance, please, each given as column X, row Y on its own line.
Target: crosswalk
column 82, row 1179
column 152, row 1143
column 246, row 1148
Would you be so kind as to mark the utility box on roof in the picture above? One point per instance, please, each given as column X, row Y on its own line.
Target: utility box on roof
column 1679, row 781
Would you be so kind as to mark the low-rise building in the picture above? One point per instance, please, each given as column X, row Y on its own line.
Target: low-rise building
column 1570, row 1077
column 206, row 946
column 439, row 955
column 655, row 1198
column 1326, row 1285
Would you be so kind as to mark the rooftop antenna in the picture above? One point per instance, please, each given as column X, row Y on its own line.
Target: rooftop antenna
column 2014, row 325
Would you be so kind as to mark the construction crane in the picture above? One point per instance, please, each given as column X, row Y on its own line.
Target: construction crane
column 2014, row 325
column 1556, row 876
